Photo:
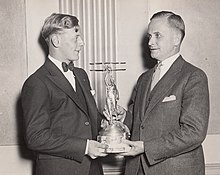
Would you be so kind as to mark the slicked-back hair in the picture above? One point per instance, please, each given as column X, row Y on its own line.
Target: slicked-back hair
column 56, row 22
column 174, row 20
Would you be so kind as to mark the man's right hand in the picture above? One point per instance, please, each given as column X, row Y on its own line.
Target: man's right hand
column 96, row 149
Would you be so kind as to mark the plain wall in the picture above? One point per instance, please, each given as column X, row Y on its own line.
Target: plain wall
column 12, row 66
column 21, row 22
column 131, row 24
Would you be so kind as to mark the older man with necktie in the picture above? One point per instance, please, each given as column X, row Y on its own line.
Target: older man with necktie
column 168, row 119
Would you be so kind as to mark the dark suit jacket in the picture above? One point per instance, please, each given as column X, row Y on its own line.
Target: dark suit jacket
column 57, row 125
column 172, row 128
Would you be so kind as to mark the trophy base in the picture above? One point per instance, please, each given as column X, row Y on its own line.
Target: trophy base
column 119, row 148
column 115, row 144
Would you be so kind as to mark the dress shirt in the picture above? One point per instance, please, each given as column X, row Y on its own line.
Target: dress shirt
column 71, row 78
column 69, row 74
column 166, row 64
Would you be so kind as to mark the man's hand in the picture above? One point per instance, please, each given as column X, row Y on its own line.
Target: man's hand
column 137, row 147
column 96, row 149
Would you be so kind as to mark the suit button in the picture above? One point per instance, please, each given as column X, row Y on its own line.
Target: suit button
column 86, row 123
column 142, row 127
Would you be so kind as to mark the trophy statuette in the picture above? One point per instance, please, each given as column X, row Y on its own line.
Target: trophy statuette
column 114, row 131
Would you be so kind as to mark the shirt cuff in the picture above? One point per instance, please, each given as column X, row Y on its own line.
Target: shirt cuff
column 87, row 147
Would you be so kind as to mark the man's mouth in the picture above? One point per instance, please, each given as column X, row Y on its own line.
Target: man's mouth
column 154, row 49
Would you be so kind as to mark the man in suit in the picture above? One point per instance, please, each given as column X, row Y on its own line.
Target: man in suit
column 169, row 117
column 60, row 114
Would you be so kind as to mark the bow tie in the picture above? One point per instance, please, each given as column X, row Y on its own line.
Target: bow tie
column 67, row 67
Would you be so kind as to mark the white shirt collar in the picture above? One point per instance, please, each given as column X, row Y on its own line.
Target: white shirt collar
column 56, row 62
column 169, row 61
column 166, row 64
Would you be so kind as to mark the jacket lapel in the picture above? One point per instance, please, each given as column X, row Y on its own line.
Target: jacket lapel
column 86, row 91
column 59, row 79
column 91, row 104
column 144, row 92
column 164, row 85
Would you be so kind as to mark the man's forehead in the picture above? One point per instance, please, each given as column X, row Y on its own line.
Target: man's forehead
column 157, row 25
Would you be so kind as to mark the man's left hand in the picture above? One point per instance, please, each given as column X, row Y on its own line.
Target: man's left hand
column 137, row 147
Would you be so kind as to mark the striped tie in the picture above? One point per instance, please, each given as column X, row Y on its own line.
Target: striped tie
column 156, row 75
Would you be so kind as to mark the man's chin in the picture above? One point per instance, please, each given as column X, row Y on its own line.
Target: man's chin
column 76, row 58
column 154, row 56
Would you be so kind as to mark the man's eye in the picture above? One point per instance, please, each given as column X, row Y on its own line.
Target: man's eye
column 149, row 36
column 76, row 29
column 157, row 35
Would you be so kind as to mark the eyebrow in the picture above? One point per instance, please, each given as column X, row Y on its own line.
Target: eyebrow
column 153, row 33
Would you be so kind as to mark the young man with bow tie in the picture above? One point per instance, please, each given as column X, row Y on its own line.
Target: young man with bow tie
column 60, row 115
column 169, row 111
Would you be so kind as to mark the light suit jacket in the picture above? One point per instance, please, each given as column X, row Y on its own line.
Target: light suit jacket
column 56, row 123
column 172, row 121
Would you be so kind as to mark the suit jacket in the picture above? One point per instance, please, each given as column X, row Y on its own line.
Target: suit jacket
column 172, row 121
column 57, row 124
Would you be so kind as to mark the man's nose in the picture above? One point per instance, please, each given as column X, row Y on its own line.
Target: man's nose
column 150, row 41
column 80, row 41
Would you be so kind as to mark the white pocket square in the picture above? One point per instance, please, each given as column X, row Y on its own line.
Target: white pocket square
column 92, row 92
column 170, row 98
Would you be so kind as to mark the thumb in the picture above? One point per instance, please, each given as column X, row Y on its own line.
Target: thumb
column 102, row 145
column 128, row 142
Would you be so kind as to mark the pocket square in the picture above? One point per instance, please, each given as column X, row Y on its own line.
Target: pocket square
column 92, row 92
column 170, row 98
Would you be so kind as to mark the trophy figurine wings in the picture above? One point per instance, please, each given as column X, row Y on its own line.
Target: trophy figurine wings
column 114, row 131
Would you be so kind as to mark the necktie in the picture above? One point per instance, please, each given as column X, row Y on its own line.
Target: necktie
column 156, row 75
column 67, row 67
column 69, row 75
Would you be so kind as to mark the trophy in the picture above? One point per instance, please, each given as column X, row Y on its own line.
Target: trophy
column 113, row 131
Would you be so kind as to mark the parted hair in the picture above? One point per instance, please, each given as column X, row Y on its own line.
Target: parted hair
column 56, row 22
column 173, row 19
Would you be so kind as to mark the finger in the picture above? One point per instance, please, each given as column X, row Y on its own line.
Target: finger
column 93, row 157
column 102, row 154
column 122, row 154
column 101, row 150
column 128, row 142
column 102, row 146
column 125, row 154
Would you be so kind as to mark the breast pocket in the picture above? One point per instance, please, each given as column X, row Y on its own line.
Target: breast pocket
column 170, row 112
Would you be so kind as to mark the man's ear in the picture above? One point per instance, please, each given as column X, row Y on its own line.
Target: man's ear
column 177, row 39
column 55, row 40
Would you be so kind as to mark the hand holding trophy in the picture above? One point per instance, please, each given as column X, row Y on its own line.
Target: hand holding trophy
column 114, row 131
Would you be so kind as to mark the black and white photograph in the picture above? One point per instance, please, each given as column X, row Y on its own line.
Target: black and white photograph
column 109, row 87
